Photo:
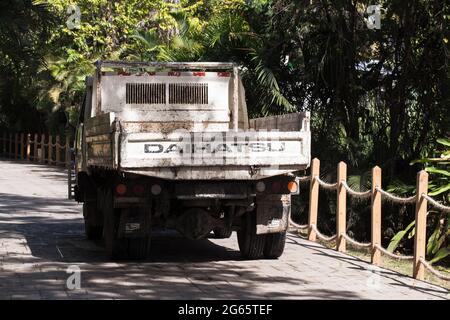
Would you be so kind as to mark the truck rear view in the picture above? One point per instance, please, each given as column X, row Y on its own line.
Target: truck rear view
column 170, row 145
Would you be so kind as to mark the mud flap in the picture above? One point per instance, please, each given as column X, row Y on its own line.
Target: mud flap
column 272, row 213
column 92, row 214
column 135, row 222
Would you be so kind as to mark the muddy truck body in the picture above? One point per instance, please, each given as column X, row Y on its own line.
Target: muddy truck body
column 170, row 145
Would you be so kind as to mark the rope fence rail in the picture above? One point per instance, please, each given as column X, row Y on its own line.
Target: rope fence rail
column 322, row 236
column 395, row 198
column 376, row 194
column 436, row 204
column 356, row 243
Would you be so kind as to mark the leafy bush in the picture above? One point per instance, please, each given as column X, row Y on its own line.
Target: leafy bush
column 438, row 246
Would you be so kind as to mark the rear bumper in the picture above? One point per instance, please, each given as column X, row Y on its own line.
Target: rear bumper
column 228, row 172
column 203, row 190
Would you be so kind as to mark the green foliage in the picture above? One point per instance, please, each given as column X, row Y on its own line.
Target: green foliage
column 399, row 236
column 24, row 29
column 439, row 168
column 107, row 30
column 438, row 245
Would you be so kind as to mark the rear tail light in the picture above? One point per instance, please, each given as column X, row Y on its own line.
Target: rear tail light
column 223, row 74
column 121, row 189
column 292, row 186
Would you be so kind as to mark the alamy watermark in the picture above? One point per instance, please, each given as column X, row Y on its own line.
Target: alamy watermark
column 374, row 279
column 373, row 21
column 73, row 282
column 74, row 19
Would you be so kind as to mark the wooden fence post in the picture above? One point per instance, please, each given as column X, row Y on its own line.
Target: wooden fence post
column 341, row 207
column 43, row 148
column 313, row 198
column 35, row 147
column 57, row 150
column 420, row 237
column 16, row 146
column 28, row 147
column 21, row 145
column 50, row 149
column 376, row 215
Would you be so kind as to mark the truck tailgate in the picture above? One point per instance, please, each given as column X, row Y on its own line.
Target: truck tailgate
column 220, row 155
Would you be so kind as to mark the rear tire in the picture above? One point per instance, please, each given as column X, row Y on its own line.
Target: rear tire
column 93, row 232
column 116, row 248
column 223, row 233
column 275, row 243
column 251, row 244
column 121, row 248
column 138, row 248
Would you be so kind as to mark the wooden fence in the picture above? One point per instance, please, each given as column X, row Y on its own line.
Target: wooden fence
column 44, row 149
column 420, row 199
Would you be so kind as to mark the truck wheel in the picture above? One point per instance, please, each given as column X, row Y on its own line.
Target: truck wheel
column 123, row 248
column 138, row 248
column 93, row 232
column 116, row 248
column 222, row 233
column 275, row 243
column 251, row 244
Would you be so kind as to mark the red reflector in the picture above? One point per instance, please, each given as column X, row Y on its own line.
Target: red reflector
column 292, row 186
column 121, row 189
column 138, row 189
column 199, row 74
column 276, row 187
column 174, row 74
column 223, row 74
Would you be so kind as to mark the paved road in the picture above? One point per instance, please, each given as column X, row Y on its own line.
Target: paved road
column 41, row 235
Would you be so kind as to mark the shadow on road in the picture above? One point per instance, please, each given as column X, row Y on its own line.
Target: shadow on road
column 13, row 203
column 178, row 268
column 62, row 239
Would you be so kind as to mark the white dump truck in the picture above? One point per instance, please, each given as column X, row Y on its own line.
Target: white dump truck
column 170, row 145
